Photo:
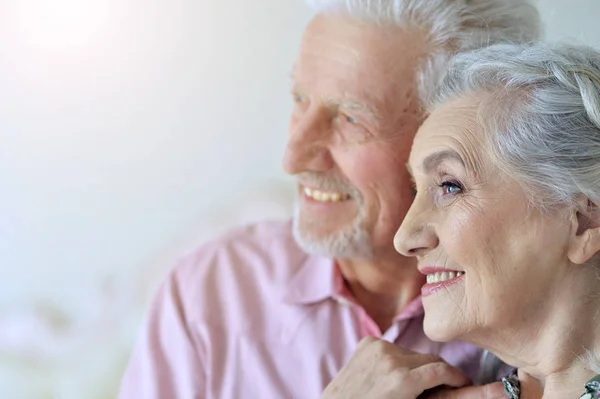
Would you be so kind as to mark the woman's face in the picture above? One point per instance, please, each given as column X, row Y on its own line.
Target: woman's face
column 492, row 260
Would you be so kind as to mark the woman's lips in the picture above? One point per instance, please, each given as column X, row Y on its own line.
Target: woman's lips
column 438, row 278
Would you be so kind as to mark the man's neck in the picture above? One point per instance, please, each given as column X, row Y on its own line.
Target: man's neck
column 382, row 287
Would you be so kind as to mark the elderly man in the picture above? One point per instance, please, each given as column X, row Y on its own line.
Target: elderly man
column 274, row 310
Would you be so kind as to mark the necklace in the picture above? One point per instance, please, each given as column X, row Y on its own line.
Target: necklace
column 512, row 387
column 592, row 388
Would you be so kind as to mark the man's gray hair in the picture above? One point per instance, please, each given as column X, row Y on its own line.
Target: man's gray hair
column 540, row 111
column 450, row 25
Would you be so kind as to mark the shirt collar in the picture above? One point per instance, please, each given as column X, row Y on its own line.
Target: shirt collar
column 313, row 282
column 319, row 279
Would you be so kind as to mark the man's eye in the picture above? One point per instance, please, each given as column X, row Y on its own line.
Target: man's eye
column 297, row 98
column 351, row 120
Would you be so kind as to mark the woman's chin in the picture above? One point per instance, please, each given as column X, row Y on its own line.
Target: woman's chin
column 439, row 330
column 445, row 315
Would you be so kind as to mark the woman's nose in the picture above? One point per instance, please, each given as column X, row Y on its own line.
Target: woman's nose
column 416, row 236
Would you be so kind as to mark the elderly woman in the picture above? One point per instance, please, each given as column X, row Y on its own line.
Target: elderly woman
column 505, row 225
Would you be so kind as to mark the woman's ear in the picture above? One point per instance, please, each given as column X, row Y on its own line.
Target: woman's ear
column 585, row 232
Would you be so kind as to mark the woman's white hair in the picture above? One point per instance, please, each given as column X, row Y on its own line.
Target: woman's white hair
column 540, row 110
column 451, row 25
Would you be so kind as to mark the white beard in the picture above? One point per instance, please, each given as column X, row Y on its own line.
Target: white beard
column 348, row 243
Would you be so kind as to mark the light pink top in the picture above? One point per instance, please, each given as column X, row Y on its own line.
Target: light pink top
column 250, row 315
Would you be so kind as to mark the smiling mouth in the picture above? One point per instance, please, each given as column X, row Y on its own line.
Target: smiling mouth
column 440, row 277
column 325, row 196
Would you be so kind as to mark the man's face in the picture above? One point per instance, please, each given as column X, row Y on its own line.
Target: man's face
column 350, row 134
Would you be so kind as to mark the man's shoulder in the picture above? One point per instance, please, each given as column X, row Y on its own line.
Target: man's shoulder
column 259, row 236
column 240, row 278
column 244, row 258
column 251, row 245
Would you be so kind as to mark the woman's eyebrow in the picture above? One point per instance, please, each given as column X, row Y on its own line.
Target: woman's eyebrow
column 432, row 161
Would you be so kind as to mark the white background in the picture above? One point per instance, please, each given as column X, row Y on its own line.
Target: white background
column 130, row 130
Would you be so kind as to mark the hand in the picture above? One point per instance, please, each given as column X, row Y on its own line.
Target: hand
column 530, row 387
column 381, row 370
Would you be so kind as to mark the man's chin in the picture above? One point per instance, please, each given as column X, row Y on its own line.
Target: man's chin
column 343, row 242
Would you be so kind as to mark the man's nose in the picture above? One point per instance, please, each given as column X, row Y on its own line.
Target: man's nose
column 416, row 236
column 308, row 147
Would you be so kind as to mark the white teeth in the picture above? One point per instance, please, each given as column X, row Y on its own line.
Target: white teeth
column 439, row 277
column 322, row 196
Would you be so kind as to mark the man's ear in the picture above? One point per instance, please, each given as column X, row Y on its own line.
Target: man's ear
column 584, row 242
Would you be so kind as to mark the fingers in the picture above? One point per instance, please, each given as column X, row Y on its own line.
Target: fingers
column 384, row 349
column 432, row 375
column 366, row 342
column 398, row 370
column 530, row 387
column 490, row 391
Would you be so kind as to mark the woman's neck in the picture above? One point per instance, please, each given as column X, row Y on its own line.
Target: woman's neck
column 560, row 385
column 554, row 350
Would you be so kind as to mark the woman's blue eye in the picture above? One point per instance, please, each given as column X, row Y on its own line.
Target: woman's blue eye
column 449, row 187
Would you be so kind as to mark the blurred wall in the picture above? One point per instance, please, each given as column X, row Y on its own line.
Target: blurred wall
column 130, row 130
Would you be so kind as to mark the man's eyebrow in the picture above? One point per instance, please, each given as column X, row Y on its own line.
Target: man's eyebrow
column 349, row 104
column 345, row 104
column 432, row 161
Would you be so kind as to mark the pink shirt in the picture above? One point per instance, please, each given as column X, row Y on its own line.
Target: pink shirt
column 250, row 315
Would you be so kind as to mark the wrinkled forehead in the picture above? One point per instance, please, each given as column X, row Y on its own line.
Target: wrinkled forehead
column 338, row 53
column 453, row 126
